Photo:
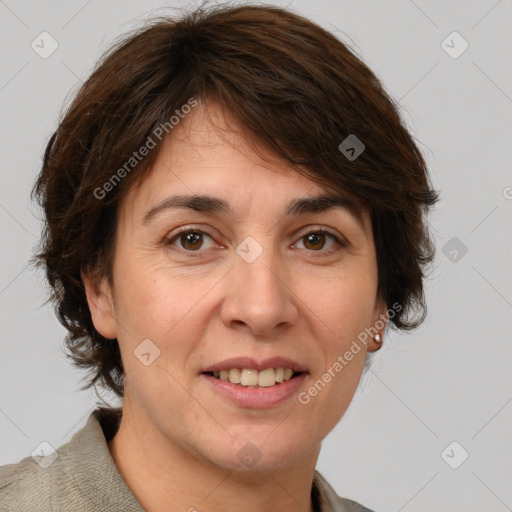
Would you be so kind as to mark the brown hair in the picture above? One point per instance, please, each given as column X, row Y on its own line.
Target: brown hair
column 292, row 85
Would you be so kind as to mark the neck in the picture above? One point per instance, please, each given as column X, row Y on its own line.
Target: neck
column 167, row 477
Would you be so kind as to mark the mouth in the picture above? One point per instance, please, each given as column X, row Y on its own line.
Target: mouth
column 255, row 388
column 247, row 372
column 253, row 378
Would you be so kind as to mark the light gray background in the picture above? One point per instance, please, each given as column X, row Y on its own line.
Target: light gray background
column 447, row 381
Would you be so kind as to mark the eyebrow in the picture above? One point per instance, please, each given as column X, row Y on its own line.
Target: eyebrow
column 215, row 205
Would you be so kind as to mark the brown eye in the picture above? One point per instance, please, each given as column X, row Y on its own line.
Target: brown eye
column 318, row 241
column 189, row 240
column 314, row 241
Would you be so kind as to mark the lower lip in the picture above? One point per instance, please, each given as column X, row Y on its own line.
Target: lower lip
column 256, row 397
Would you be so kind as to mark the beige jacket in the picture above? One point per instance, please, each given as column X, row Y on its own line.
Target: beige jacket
column 85, row 478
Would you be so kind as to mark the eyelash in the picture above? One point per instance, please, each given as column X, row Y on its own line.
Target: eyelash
column 339, row 243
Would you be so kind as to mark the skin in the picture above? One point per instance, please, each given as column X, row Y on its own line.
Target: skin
column 177, row 444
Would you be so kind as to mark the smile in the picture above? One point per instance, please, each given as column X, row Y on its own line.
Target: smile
column 255, row 396
column 250, row 377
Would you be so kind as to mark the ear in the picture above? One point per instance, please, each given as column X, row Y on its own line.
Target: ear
column 379, row 323
column 101, row 304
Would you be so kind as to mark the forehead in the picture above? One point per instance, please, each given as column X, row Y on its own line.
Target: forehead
column 210, row 137
column 208, row 162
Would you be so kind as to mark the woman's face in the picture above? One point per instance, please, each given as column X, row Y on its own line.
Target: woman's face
column 248, row 279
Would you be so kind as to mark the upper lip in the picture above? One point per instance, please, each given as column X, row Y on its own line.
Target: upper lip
column 250, row 363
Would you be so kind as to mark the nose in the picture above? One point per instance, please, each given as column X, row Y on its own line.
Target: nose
column 259, row 297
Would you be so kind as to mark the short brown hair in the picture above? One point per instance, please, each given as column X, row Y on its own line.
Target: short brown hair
column 291, row 84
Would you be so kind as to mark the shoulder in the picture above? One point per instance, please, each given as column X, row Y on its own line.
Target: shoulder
column 28, row 485
column 329, row 501
column 80, row 475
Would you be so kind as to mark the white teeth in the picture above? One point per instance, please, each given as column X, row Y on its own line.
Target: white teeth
column 235, row 375
column 254, row 378
column 267, row 377
column 249, row 377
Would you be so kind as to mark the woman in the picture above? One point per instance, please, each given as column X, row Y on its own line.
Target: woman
column 234, row 214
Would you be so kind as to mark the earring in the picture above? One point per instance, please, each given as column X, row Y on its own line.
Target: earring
column 378, row 338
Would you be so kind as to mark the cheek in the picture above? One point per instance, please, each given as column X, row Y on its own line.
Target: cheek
column 157, row 302
column 345, row 303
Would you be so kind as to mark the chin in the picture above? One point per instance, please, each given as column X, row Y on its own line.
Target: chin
column 244, row 456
